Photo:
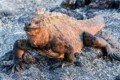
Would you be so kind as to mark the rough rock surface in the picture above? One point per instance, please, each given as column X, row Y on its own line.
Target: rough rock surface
column 13, row 15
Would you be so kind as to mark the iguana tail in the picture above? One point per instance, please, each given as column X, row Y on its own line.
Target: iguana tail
column 93, row 25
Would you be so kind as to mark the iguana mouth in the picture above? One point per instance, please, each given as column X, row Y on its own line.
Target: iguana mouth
column 27, row 28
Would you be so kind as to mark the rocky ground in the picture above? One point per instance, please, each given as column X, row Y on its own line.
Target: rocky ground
column 13, row 15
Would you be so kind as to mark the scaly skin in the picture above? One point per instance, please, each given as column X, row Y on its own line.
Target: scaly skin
column 57, row 35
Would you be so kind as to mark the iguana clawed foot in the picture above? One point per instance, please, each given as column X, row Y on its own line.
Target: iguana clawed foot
column 18, row 67
column 65, row 64
column 60, row 65
column 114, row 55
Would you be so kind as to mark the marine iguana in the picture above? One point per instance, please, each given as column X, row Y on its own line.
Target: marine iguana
column 57, row 35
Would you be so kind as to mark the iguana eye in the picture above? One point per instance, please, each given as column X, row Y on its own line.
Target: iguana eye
column 37, row 22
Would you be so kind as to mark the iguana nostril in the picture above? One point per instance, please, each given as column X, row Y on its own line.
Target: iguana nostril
column 27, row 24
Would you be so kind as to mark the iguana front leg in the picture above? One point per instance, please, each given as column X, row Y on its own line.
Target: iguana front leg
column 97, row 42
column 24, row 53
column 21, row 56
column 18, row 52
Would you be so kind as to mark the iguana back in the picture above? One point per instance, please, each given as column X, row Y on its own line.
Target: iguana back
column 70, row 30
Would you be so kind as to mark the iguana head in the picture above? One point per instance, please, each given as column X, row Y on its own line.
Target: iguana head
column 34, row 24
column 37, row 21
column 36, row 31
